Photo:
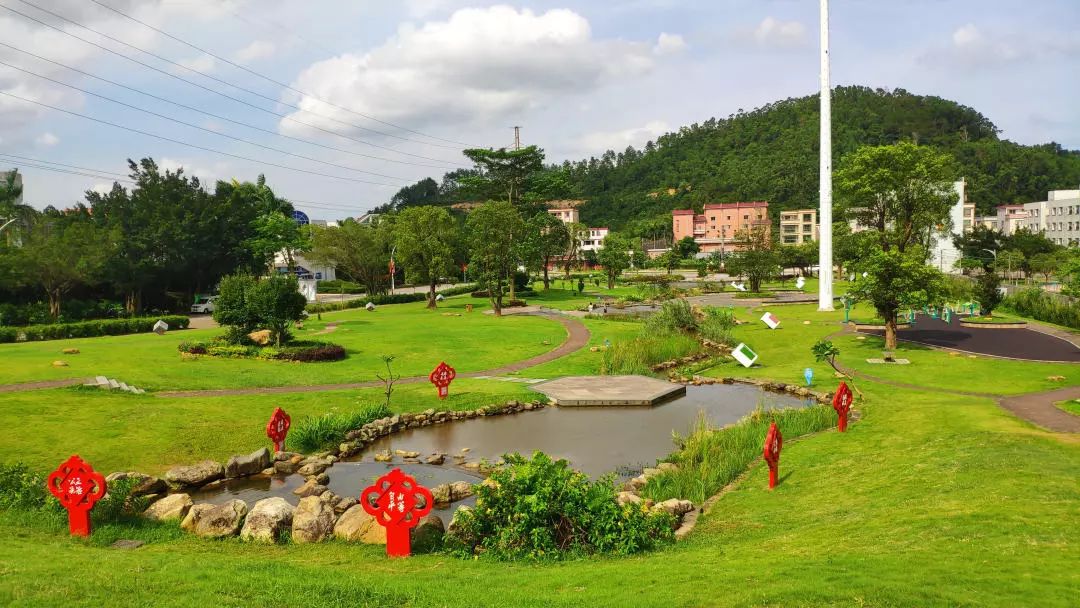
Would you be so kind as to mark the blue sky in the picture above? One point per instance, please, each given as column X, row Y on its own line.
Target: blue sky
column 579, row 77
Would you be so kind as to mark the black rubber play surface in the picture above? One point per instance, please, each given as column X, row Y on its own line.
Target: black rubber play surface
column 1016, row 343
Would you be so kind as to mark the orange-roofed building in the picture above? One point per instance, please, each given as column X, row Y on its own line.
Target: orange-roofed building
column 716, row 229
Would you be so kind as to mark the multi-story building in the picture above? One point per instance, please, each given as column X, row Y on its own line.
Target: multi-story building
column 798, row 226
column 718, row 227
column 568, row 215
column 1058, row 217
column 944, row 255
column 1011, row 217
column 595, row 239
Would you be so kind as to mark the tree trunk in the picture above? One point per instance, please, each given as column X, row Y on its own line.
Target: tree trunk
column 547, row 281
column 610, row 281
column 431, row 295
column 54, row 303
column 512, row 273
column 890, row 332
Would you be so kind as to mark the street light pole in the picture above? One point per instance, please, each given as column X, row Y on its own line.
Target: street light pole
column 825, row 261
column 393, row 269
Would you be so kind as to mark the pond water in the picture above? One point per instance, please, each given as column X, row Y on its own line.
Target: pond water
column 596, row 440
column 346, row 479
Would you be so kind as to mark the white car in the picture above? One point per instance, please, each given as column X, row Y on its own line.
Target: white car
column 204, row 305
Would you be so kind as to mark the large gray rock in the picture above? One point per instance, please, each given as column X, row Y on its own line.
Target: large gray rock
column 675, row 507
column 628, row 498
column 220, row 521
column 310, row 488
column 195, row 475
column 460, row 490
column 144, row 485
column 313, row 466
column 427, row 536
column 313, row 520
column 194, row 515
column 355, row 525
column 267, row 519
column 243, row 465
column 173, row 506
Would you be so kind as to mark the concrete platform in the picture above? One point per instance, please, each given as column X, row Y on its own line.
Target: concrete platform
column 609, row 390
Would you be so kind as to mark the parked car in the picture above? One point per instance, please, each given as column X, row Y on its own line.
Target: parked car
column 204, row 304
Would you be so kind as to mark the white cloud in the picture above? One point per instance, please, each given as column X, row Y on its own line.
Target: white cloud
column 773, row 33
column 46, row 140
column 669, row 44
column 203, row 63
column 260, row 49
column 971, row 46
column 597, row 142
column 422, row 8
column 206, row 174
column 484, row 64
column 102, row 187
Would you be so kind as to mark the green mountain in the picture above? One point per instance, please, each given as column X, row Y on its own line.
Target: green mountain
column 771, row 153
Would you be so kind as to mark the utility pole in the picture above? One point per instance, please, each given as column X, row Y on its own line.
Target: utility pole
column 825, row 261
column 517, row 138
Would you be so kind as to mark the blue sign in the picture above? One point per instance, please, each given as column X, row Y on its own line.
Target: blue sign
column 300, row 217
column 809, row 375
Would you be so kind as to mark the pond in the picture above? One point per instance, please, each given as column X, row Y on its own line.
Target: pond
column 596, row 440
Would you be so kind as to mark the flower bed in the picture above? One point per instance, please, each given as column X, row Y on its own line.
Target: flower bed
column 303, row 352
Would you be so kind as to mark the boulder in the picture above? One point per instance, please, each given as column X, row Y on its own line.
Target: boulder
column 261, row 337
column 355, row 525
column 286, row 456
column 313, row 520
column 194, row 516
column 627, row 498
column 59, row 363
column 384, row 456
column 70, row 351
column 460, row 490
column 344, row 505
column 455, row 525
column 220, row 521
column 267, row 519
column 440, row 494
column 310, row 488
column 195, row 475
column 145, row 485
column 321, row 479
column 173, row 506
column 427, row 536
column 250, row 464
column 675, row 507
column 285, row 467
column 435, row 459
column 313, row 466
column 407, row 453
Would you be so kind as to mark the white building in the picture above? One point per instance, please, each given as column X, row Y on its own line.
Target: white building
column 595, row 239
column 944, row 255
column 305, row 268
column 1058, row 216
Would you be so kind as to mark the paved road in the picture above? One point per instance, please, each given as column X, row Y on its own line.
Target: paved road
column 1026, row 344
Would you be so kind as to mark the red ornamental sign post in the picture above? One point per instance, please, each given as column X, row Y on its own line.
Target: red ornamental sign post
column 278, row 427
column 841, row 402
column 77, row 486
column 441, row 377
column 774, row 441
column 392, row 501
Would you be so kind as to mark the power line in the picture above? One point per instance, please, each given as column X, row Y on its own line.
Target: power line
column 49, row 162
column 214, row 91
column 197, row 147
column 269, row 79
column 193, row 126
column 216, row 116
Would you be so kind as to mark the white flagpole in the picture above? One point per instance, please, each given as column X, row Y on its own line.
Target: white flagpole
column 825, row 261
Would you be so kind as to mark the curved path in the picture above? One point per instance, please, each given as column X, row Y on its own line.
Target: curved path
column 1023, row 344
column 577, row 338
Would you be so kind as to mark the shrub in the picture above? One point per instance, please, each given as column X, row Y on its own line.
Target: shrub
column 639, row 355
column 653, row 278
column 339, row 286
column 717, row 325
column 195, row 348
column 1038, row 304
column 986, row 290
column 8, row 334
column 22, row 489
column 541, row 508
column 89, row 329
column 232, row 351
column 314, row 433
column 674, row 316
column 514, row 304
column 711, row 458
column 306, row 352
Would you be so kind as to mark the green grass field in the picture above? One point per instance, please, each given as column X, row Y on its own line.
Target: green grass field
column 930, row 498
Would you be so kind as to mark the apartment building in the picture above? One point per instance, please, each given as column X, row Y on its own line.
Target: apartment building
column 798, row 226
column 716, row 229
column 1058, row 217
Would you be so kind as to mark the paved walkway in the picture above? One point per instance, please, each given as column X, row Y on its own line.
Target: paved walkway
column 577, row 338
column 1025, row 344
column 33, row 386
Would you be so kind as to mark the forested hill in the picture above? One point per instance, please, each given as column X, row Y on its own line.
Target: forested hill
column 771, row 153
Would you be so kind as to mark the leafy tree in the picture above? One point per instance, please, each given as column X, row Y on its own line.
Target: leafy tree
column 59, row 254
column 275, row 233
column 494, row 229
column 425, row 245
column 802, row 256
column 896, row 279
column 505, row 171
column 758, row 261
column 977, row 245
column 614, row 256
column 357, row 251
column 1009, row 261
column 232, row 309
column 546, row 239
column 901, row 191
column 277, row 303
column 687, row 247
column 987, row 290
column 1028, row 244
column 669, row 260
column 1069, row 271
column 1046, row 263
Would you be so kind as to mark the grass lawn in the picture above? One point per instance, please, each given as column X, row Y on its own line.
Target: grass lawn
column 929, row 499
column 1073, row 406
column 997, row 317
column 418, row 337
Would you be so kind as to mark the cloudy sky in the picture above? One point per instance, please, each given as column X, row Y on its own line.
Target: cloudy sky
column 341, row 102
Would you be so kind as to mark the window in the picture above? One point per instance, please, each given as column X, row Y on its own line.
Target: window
column 808, row 217
column 745, row 217
column 789, row 239
column 807, row 228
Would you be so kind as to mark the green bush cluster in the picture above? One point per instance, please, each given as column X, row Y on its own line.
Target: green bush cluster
column 674, row 316
column 245, row 304
column 37, row 313
column 314, row 433
column 717, row 324
column 540, row 508
column 637, row 356
column 399, row 298
column 709, row 458
column 89, row 329
column 306, row 351
column 1043, row 306
column 24, row 490
column 653, row 278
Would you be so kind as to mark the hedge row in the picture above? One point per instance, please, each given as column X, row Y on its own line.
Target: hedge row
column 652, row 278
column 379, row 300
column 89, row 329
column 1052, row 308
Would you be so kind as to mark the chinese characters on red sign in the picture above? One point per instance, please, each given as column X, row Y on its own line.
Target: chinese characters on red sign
column 278, row 427
column 441, row 377
column 392, row 501
column 77, row 486
column 773, row 443
column 841, row 402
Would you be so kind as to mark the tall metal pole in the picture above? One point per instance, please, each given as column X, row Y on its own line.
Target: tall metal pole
column 825, row 261
column 393, row 269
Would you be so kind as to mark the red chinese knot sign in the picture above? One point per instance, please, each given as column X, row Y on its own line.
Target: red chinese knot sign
column 278, row 427
column 841, row 402
column 774, row 441
column 392, row 501
column 77, row 486
column 441, row 377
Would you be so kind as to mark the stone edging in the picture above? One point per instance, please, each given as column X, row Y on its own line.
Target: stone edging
column 1005, row 325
